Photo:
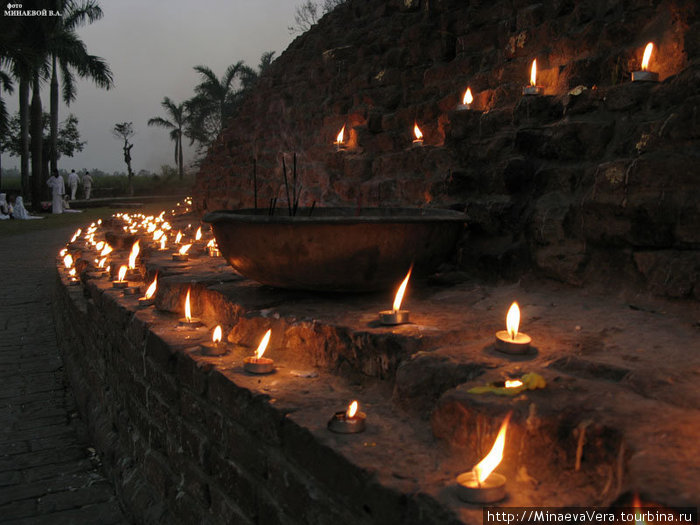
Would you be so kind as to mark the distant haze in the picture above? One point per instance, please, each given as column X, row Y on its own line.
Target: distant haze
column 151, row 48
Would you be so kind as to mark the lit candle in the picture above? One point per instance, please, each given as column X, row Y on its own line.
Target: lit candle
column 217, row 347
column 418, row 134
column 198, row 234
column 181, row 254
column 350, row 421
column 645, row 75
column 257, row 364
column 121, row 282
column 339, row 142
column 188, row 321
column 467, row 100
column 213, row 249
column 396, row 315
column 511, row 341
column 149, row 297
column 482, row 484
column 135, row 249
column 533, row 88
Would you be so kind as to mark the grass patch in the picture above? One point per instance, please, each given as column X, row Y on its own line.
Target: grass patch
column 79, row 220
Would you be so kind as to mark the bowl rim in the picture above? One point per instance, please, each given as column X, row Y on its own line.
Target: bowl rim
column 404, row 215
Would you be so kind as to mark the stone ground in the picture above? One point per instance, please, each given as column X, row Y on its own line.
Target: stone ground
column 48, row 472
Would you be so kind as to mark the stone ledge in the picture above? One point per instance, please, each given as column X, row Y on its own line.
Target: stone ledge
column 202, row 439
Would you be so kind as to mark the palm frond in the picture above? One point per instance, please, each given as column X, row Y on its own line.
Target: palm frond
column 161, row 123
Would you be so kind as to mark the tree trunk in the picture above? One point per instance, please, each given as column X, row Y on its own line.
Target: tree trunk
column 24, row 135
column 179, row 158
column 36, row 134
column 53, row 138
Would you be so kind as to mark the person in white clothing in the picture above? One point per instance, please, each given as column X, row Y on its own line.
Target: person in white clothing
column 20, row 212
column 58, row 188
column 73, row 182
column 87, row 185
column 4, row 207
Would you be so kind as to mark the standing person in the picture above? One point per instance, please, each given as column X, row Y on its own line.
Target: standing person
column 87, row 184
column 58, row 188
column 73, row 183
column 4, row 207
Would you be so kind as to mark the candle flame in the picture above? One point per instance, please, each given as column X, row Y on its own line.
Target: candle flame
column 68, row 261
column 178, row 237
column 647, row 56
column 352, row 410
column 157, row 235
column 76, row 235
column 468, row 98
column 637, row 506
column 341, row 133
column 513, row 320
column 533, row 73
column 101, row 264
column 99, row 245
column 211, row 244
column 106, row 250
column 417, row 132
column 122, row 273
column 487, row 465
column 162, row 242
column 216, row 336
column 132, row 256
column 152, row 288
column 198, row 235
column 513, row 383
column 151, row 227
column 63, row 252
column 188, row 312
column 401, row 291
column 263, row 344
column 72, row 272
column 184, row 249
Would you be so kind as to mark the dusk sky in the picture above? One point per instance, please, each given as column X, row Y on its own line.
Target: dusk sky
column 151, row 48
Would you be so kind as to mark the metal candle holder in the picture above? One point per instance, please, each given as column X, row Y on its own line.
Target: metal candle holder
column 491, row 490
column 340, row 423
column 258, row 365
column 645, row 76
column 533, row 90
column 508, row 345
column 394, row 317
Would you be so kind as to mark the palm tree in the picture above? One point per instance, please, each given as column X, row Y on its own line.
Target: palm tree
column 213, row 103
column 69, row 53
column 6, row 86
column 178, row 118
column 20, row 39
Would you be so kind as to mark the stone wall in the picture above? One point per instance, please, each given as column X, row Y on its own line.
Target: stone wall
column 185, row 443
column 595, row 181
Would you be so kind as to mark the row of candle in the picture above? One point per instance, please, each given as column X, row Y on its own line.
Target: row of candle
column 480, row 485
column 644, row 75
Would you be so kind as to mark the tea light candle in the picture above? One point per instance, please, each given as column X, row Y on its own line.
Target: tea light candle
column 349, row 421
column 467, row 100
column 533, row 88
column 339, row 144
column 396, row 315
column 181, row 254
column 121, row 282
column 217, row 347
column 418, row 134
column 482, row 484
column 149, row 297
column 492, row 489
column 257, row 364
column 645, row 75
column 511, row 341
column 188, row 321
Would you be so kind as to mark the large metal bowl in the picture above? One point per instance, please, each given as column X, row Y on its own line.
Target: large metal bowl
column 335, row 249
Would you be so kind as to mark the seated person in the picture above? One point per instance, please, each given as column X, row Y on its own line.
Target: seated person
column 4, row 207
column 20, row 212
